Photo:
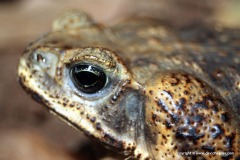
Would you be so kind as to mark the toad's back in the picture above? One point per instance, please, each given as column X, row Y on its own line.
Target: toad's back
column 150, row 91
column 213, row 55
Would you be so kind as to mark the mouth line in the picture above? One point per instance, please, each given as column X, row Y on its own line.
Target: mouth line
column 104, row 137
column 41, row 100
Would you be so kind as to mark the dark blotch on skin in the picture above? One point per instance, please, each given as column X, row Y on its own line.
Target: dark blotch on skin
column 187, row 120
column 112, row 142
column 225, row 117
column 207, row 98
column 59, row 70
column 188, row 80
column 114, row 98
column 184, row 147
column 139, row 155
column 186, row 92
column 154, row 116
column 177, row 80
column 67, row 47
column 175, row 118
column 220, row 101
column 93, row 119
column 182, row 102
column 151, row 92
column 217, row 75
column 72, row 105
column 226, row 156
column 37, row 97
column 208, row 148
column 174, row 84
column 169, row 93
column 163, row 136
column 215, row 109
column 203, row 104
column 216, row 131
column 200, row 105
column 198, row 118
column 229, row 140
column 162, row 105
column 21, row 81
column 98, row 126
column 168, row 125
column 190, row 133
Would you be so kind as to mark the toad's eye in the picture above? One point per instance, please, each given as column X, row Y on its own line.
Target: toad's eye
column 88, row 78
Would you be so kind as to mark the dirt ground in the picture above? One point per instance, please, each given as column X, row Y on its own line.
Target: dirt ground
column 27, row 130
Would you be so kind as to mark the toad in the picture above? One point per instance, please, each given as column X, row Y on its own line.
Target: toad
column 141, row 88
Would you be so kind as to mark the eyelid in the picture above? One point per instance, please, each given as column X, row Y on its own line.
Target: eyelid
column 95, row 55
column 90, row 58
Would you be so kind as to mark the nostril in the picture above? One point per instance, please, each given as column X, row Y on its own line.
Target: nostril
column 40, row 58
column 44, row 61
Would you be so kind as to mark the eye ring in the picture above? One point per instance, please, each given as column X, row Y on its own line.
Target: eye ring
column 88, row 78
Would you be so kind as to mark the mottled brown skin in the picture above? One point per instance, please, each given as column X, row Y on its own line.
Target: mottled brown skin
column 189, row 116
column 169, row 91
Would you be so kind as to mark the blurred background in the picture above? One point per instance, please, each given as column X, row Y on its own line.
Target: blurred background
column 27, row 130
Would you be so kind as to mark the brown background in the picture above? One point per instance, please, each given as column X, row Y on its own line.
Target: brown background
column 27, row 131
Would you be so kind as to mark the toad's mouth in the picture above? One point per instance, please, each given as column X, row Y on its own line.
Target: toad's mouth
column 41, row 100
column 73, row 118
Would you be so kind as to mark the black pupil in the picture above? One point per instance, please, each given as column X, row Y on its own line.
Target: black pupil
column 88, row 78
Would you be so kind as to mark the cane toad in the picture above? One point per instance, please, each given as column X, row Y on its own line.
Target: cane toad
column 141, row 88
